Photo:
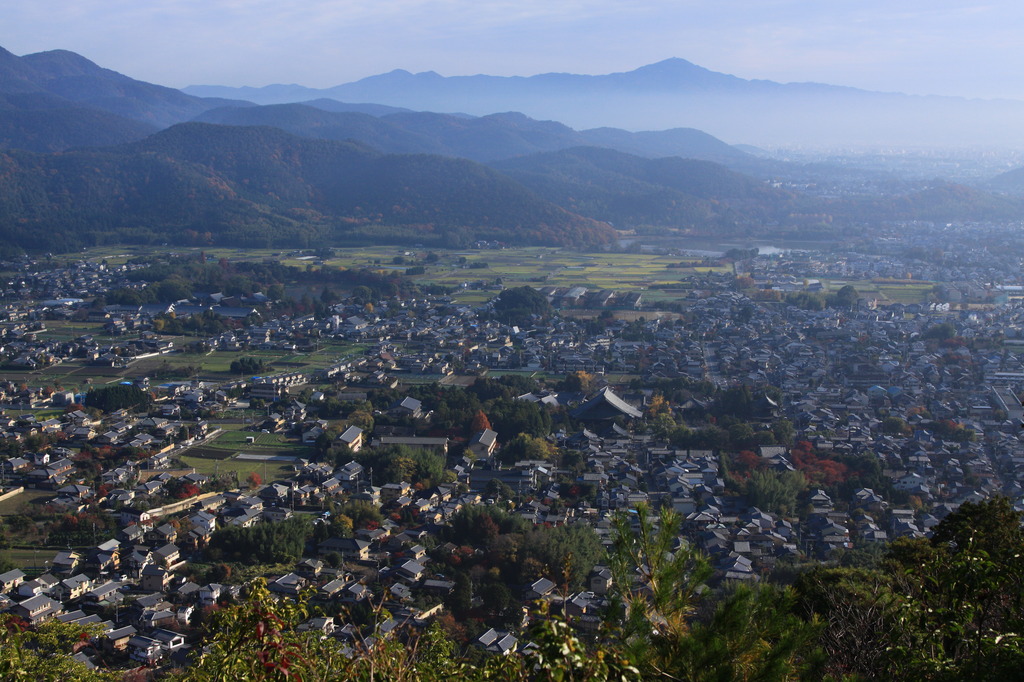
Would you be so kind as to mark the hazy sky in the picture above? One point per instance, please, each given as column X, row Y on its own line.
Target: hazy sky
column 948, row 47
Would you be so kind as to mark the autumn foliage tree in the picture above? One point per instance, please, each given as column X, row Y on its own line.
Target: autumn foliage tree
column 479, row 423
column 818, row 470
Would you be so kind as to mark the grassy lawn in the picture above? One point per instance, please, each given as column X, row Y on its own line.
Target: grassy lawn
column 887, row 290
column 241, row 467
column 908, row 293
column 30, row 498
column 233, row 441
column 32, row 561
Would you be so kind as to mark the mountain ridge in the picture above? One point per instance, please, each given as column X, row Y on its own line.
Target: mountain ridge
column 248, row 186
column 676, row 93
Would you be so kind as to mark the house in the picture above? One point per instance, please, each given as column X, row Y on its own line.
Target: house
column 498, row 641
column 145, row 650
column 406, row 407
column 289, row 584
column 211, row 594
column 331, row 589
column 156, row 618
column 117, row 640
column 154, row 578
column 600, row 580
column 410, row 570
column 72, row 587
column 310, row 568
column 323, row 624
column 37, row 609
column 130, row 515
column 355, row 593
column 107, row 594
column 540, row 588
column 483, row 444
column 393, row 491
column 11, row 579
column 350, row 549
column 348, row 473
column 276, row 514
column 42, row 585
column 353, row 438
column 169, row 555
column 163, row 534
column 105, row 557
column 169, row 641
column 66, row 562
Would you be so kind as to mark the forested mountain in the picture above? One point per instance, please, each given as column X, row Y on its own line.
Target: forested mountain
column 77, row 80
column 1011, row 181
column 55, row 100
column 484, row 138
column 202, row 183
column 939, row 202
column 632, row 191
column 706, row 198
column 41, row 122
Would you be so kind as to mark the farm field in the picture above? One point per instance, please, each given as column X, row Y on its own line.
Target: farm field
column 561, row 268
column 175, row 366
column 654, row 274
column 515, row 267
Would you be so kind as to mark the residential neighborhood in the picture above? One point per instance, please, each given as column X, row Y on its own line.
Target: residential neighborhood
column 875, row 419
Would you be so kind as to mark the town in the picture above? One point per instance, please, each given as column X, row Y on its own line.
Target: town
column 456, row 450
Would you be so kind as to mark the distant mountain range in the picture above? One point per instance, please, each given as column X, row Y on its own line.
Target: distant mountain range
column 676, row 93
column 57, row 100
column 92, row 156
column 484, row 138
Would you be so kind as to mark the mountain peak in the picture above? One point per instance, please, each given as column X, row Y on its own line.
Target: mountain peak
column 672, row 63
column 56, row 63
column 675, row 72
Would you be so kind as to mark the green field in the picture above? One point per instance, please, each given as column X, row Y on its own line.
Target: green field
column 241, row 467
column 32, row 561
column 29, row 498
column 234, row 440
column 887, row 291
column 535, row 266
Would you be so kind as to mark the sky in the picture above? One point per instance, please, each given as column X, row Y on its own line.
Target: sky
column 942, row 47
